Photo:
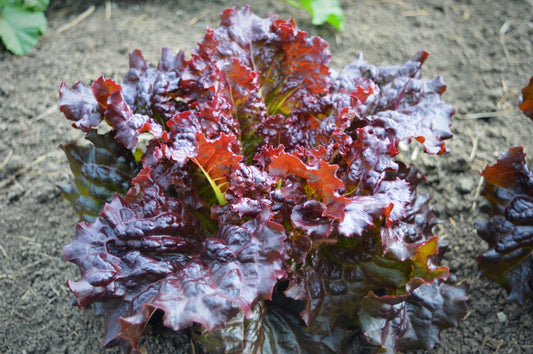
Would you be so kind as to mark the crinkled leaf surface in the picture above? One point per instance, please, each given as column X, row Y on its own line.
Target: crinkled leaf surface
column 334, row 278
column 21, row 25
column 402, row 238
column 322, row 180
column 274, row 329
column 259, row 164
column 100, row 170
column 290, row 64
column 148, row 252
column 402, row 101
column 155, row 91
column 240, row 335
column 79, row 105
column 414, row 320
column 509, row 231
column 87, row 107
column 370, row 184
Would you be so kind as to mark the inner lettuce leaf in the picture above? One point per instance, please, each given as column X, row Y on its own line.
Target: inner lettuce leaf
column 255, row 194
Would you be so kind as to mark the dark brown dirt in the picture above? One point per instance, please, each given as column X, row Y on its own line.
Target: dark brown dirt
column 482, row 48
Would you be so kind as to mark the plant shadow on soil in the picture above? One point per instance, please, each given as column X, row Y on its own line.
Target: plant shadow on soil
column 482, row 48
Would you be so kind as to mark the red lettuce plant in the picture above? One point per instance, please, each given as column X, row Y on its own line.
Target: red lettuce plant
column 254, row 194
column 509, row 230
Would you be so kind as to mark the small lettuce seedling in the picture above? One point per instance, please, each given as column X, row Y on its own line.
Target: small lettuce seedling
column 253, row 193
column 509, row 230
column 322, row 11
column 22, row 22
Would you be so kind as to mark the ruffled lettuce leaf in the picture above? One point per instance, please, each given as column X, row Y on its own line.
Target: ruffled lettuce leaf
column 334, row 279
column 100, row 170
column 276, row 328
column 414, row 320
column 149, row 252
column 509, row 230
column 88, row 107
column 318, row 182
column 402, row 101
column 155, row 91
column 216, row 159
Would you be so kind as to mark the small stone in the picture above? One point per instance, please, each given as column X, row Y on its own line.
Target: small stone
column 502, row 317
column 465, row 185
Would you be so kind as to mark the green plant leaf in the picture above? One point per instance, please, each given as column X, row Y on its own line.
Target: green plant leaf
column 36, row 5
column 21, row 25
column 323, row 11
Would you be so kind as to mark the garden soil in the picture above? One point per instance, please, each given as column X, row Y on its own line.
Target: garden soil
column 482, row 48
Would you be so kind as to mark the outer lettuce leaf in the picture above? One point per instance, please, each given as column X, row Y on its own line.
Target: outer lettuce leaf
column 414, row 320
column 335, row 278
column 148, row 253
column 240, row 335
column 100, row 170
column 509, row 231
column 79, row 105
column 274, row 329
column 104, row 100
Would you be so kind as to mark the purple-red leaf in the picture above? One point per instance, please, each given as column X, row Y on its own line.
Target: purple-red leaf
column 274, row 329
column 334, row 287
column 333, row 279
column 509, row 231
column 100, row 170
column 148, row 252
column 88, row 107
column 402, row 101
column 402, row 238
column 216, row 159
column 79, row 105
column 322, row 180
column 414, row 320
column 154, row 91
